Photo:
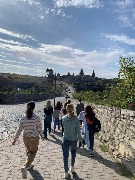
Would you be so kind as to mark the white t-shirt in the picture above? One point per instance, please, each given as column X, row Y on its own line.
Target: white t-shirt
column 81, row 116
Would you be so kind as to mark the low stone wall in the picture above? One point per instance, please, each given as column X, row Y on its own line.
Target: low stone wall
column 118, row 130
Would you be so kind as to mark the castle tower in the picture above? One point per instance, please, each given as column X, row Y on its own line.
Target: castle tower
column 93, row 74
column 68, row 74
column 81, row 74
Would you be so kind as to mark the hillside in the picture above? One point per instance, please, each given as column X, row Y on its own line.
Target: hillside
column 14, row 84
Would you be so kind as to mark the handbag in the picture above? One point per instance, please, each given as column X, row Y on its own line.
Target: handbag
column 97, row 125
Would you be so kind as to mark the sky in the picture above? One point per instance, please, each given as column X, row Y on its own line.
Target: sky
column 66, row 35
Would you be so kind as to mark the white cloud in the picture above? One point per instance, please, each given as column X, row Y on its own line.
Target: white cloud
column 11, row 42
column 31, row 2
column 126, row 12
column 126, row 21
column 78, row 3
column 25, row 37
column 28, row 58
column 62, row 56
column 120, row 38
column 124, row 2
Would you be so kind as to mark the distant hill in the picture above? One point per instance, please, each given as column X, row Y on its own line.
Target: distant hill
column 13, row 84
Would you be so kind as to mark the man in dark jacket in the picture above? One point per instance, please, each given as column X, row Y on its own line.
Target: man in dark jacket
column 79, row 107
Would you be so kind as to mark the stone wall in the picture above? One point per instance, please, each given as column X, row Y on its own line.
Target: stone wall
column 118, row 130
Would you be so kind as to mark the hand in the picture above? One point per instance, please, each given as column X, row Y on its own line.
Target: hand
column 42, row 138
column 13, row 143
column 80, row 144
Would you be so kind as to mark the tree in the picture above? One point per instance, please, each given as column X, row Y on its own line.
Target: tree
column 123, row 94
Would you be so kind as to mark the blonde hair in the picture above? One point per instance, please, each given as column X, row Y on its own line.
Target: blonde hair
column 48, row 104
column 70, row 108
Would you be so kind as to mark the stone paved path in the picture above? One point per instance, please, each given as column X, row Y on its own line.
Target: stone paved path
column 49, row 162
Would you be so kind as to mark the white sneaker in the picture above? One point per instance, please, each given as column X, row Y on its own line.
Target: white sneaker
column 31, row 166
column 24, row 172
column 66, row 175
column 72, row 169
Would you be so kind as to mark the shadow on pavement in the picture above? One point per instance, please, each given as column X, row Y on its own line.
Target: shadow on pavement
column 56, row 140
column 35, row 174
column 76, row 177
column 58, row 133
column 101, row 160
column 97, row 157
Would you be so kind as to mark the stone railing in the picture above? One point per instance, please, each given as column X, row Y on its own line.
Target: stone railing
column 118, row 130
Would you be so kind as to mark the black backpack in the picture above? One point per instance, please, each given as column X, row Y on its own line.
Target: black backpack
column 97, row 125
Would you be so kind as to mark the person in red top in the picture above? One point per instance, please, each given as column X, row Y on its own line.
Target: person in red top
column 90, row 116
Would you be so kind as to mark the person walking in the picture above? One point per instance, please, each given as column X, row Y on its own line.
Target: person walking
column 66, row 103
column 56, row 115
column 82, row 118
column 79, row 108
column 48, row 112
column 32, row 129
column 71, row 135
column 88, row 128
column 63, row 112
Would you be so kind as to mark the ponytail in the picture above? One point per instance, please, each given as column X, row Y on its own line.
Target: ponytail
column 29, row 112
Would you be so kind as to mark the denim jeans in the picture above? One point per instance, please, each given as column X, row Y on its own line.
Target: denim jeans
column 56, row 122
column 65, row 148
column 91, row 136
column 47, row 124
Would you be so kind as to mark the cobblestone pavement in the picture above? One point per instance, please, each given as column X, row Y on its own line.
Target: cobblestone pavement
column 49, row 163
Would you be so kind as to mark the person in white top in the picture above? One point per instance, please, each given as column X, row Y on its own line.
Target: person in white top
column 32, row 129
column 85, row 136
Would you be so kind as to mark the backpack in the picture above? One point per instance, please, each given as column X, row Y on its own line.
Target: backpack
column 97, row 125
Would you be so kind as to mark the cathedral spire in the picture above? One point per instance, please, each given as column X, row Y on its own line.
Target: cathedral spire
column 93, row 74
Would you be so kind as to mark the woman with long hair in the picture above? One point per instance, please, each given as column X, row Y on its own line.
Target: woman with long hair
column 56, row 115
column 48, row 112
column 62, row 113
column 32, row 129
column 71, row 135
column 89, row 128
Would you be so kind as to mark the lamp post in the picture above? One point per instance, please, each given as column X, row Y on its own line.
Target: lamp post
column 53, row 77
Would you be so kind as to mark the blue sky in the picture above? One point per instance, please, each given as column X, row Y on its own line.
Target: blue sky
column 66, row 35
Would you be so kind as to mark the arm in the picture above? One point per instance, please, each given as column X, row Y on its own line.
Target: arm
column 52, row 113
column 39, row 127
column 62, row 122
column 44, row 110
column 52, row 117
column 18, row 132
column 76, row 108
column 78, row 131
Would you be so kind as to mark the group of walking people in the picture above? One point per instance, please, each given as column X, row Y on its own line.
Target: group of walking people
column 65, row 118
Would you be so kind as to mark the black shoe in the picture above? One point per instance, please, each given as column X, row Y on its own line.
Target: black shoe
column 91, row 154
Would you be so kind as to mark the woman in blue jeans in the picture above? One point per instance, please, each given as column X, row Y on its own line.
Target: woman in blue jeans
column 48, row 112
column 56, row 115
column 89, row 128
column 71, row 135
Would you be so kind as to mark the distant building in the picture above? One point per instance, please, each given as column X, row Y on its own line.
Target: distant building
column 84, row 82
